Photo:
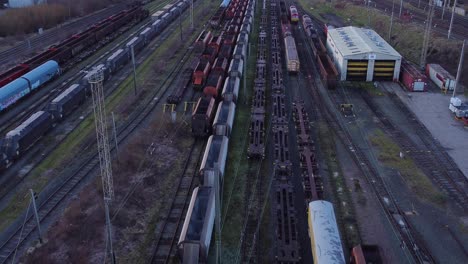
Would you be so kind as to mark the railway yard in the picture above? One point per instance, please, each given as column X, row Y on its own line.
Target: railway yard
column 237, row 131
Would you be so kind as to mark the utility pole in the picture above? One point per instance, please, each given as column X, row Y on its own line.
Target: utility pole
column 134, row 70
column 180, row 24
column 427, row 34
column 36, row 215
column 115, row 136
column 401, row 8
column 444, row 5
column 391, row 22
column 191, row 14
column 460, row 66
column 451, row 19
column 96, row 81
column 217, row 190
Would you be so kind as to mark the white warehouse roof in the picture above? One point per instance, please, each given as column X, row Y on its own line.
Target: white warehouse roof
column 326, row 242
column 351, row 41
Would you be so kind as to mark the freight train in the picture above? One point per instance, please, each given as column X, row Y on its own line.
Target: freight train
column 223, row 56
column 20, row 139
column 327, row 68
column 30, row 75
column 197, row 229
column 292, row 57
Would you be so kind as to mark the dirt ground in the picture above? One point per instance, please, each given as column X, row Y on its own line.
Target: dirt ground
column 142, row 180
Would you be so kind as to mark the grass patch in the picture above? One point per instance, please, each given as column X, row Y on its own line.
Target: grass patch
column 341, row 196
column 371, row 89
column 414, row 177
column 72, row 145
column 237, row 164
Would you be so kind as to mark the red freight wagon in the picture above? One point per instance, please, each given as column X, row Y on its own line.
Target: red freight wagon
column 13, row 74
column 327, row 71
column 210, row 54
column 200, row 73
column 214, row 84
column 203, row 39
column 220, row 65
column 215, row 43
column 229, row 39
column 412, row 78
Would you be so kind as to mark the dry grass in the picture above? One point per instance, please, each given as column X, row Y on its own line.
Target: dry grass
column 26, row 20
column 416, row 180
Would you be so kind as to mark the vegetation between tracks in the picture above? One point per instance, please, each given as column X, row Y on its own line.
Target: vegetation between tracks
column 158, row 65
column 341, row 196
column 416, row 180
column 237, row 167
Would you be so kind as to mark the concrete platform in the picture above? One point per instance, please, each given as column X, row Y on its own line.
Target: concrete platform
column 432, row 110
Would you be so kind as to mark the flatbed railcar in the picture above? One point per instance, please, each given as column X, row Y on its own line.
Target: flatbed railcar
column 183, row 81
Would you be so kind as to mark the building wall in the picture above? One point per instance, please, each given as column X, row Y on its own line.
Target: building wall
column 341, row 62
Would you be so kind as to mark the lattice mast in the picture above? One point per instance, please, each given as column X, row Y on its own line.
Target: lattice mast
column 96, row 81
column 427, row 34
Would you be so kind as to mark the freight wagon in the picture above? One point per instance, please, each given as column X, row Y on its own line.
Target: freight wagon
column 213, row 84
column 215, row 43
column 324, row 233
column 25, row 135
column 214, row 161
column 412, row 78
column 327, row 70
column 440, row 76
column 195, row 237
column 225, row 51
column 224, row 119
column 14, row 91
column 292, row 58
column 294, row 14
column 203, row 39
column 200, row 73
column 240, row 51
column 181, row 85
column 202, row 116
column 220, row 65
column 236, row 69
column 209, row 54
column 231, row 89
column 68, row 100
column 136, row 43
column 117, row 60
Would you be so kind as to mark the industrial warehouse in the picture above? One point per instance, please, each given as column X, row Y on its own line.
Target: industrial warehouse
column 233, row 131
column 362, row 55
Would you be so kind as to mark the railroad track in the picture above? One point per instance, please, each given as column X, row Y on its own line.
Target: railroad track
column 459, row 27
column 5, row 189
column 172, row 224
column 29, row 106
column 433, row 160
column 51, row 37
column 412, row 245
column 91, row 163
